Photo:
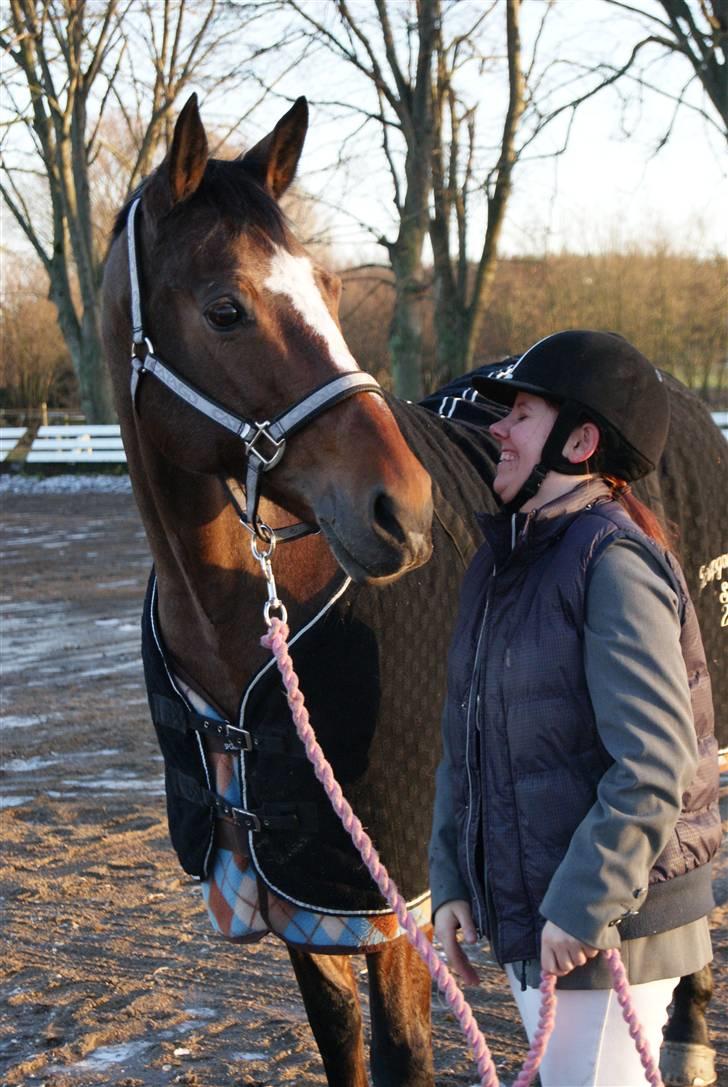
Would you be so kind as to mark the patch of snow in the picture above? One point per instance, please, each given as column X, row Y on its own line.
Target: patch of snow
column 12, row 483
column 106, row 1055
column 12, row 721
column 42, row 762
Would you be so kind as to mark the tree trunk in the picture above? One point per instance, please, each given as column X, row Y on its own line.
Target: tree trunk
column 84, row 345
column 93, row 376
column 461, row 299
column 405, row 333
column 498, row 201
column 414, row 110
column 451, row 334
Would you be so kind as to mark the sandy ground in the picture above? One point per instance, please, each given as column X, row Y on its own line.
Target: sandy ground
column 110, row 972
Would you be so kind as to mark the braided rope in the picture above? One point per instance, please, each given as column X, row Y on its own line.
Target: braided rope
column 276, row 640
column 624, row 996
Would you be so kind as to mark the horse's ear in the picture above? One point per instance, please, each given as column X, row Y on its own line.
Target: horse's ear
column 273, row 161
column 181, row 172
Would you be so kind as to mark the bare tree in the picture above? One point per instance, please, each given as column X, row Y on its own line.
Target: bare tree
column 34, row 360
column 171, row 44
column 422, row 67
column 92, row 88
column 461, row 293
column 694, row 30
column 390, row 47
column 472, row 185
column 541, row 94
column 61, row 54
column 73, row 64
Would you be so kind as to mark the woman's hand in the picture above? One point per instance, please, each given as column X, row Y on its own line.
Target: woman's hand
column 560, row 952
column 449, row 918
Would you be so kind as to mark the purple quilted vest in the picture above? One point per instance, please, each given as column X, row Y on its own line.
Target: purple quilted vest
column 518, row 808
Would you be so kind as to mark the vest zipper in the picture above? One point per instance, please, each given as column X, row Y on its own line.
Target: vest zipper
column 475, row 685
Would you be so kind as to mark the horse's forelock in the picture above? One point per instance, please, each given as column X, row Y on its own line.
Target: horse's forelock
column 228, row 191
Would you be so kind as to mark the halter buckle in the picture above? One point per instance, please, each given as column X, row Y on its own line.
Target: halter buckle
column 261, row 431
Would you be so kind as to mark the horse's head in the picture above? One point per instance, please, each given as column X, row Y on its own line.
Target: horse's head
column 239, row 311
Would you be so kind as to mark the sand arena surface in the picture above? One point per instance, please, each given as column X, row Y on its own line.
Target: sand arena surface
column 110, row 972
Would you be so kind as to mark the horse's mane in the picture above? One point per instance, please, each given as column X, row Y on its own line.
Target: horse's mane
column 231, row 194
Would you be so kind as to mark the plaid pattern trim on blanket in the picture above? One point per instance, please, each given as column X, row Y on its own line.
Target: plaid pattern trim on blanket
column 233, row 891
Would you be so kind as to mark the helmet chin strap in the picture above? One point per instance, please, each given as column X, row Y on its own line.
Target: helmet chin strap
column 528, row 490
column 552, row 458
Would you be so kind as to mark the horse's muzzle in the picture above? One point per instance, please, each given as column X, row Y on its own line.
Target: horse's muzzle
column 383, row 540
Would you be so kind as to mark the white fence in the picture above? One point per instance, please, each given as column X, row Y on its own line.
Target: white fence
column 81, row 444
column 720, row 418
column 9, row 438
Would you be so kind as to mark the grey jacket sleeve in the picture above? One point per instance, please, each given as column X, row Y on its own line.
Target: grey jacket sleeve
column 446, row 882
column 638, row 687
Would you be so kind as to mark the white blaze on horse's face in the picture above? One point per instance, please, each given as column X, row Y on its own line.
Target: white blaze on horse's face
column 293, row 276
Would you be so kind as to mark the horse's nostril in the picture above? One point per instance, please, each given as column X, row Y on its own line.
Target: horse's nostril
column 385, row 518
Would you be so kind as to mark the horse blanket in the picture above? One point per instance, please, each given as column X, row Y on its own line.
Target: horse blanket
column 372, row 668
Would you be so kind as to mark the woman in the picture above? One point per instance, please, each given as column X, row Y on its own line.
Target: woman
column 576, row 803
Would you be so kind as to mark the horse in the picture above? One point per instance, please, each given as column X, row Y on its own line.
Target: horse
column 270, row 472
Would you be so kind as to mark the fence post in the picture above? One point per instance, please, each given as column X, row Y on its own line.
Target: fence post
column 44, row 414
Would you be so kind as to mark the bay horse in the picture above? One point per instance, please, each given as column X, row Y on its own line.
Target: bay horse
column 239, row 373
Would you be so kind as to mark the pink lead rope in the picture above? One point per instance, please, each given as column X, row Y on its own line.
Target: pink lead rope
column 276, row 641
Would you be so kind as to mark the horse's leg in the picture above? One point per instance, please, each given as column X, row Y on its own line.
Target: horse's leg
column 331, row 998
column 686, row 1055
column 400, row 992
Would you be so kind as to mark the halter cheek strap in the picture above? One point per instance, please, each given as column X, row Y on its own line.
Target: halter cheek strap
column 264, row 442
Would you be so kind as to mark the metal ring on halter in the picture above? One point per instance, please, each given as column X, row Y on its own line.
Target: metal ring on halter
column 279, row 606
column 136, row 343
column 262, row 531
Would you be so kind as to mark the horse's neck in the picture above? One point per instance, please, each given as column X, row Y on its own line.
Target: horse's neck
column 211, row 588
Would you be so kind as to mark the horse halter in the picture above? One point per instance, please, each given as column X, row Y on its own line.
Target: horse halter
column 272, row 434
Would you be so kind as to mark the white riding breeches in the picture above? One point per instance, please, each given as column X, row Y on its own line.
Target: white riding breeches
column 590, row 1045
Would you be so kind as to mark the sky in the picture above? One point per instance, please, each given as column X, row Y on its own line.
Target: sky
column 607, row 190
column 610, row 188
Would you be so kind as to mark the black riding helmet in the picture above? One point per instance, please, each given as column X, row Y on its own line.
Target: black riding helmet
column 597, row 376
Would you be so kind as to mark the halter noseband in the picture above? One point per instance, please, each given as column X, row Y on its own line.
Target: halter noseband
column 273, row 434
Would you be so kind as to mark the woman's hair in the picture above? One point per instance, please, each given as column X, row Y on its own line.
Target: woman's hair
column 643, row 517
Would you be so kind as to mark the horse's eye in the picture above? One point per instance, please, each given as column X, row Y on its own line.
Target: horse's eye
column 225, row 314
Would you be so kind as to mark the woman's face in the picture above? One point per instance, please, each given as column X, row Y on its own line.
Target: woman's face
column 521, row 435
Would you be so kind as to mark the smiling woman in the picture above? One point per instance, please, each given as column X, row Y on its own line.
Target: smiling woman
column 573, row 742
column 522, row 435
